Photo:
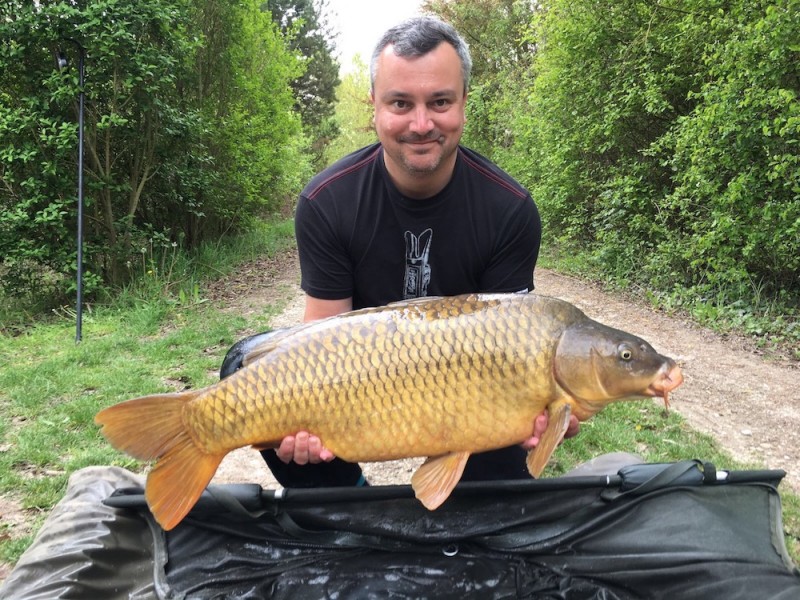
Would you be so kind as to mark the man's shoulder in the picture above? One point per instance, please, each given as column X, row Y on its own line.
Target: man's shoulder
column 487, row 172
column 344, row 171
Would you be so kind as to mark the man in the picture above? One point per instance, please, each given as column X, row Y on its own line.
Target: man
column 414, row 215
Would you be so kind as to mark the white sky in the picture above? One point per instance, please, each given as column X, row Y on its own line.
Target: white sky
column 361, row 22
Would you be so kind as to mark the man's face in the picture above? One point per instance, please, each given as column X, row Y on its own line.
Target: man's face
column 419, row 111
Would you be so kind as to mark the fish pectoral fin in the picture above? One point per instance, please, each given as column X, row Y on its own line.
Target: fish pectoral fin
column 436, row 477
column 557, row 425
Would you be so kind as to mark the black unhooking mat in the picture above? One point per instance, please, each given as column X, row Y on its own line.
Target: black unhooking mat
column 677, row 531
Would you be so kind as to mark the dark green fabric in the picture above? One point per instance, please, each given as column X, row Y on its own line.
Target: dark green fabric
column 654, row 532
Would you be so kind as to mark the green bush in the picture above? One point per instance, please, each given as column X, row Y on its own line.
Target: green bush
column 190, row 132
column 661, row 142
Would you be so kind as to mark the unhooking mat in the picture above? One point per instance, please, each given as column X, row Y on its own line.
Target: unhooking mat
column 677, row 531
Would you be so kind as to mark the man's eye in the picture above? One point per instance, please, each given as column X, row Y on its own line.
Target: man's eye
column 441, row 103
column 400, row 104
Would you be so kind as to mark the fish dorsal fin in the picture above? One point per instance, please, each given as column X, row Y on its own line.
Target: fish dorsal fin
column 413, row 301
column 437, row 477
column 557, row 425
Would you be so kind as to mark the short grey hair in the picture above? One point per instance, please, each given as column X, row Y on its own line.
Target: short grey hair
column 418, row 36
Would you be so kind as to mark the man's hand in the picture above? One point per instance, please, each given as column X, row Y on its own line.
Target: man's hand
column 540, row 424
column 303, row 448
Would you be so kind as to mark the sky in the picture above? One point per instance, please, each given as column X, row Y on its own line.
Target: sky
column 361, row 22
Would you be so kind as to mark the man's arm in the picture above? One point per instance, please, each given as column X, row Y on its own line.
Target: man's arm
column 316, row 308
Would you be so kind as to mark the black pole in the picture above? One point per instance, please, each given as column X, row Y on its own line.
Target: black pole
column 79, row 301
column 61, row 61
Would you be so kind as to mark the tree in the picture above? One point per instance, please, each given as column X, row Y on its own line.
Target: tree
column 354, row 113
column 502, row 52
column 305, row 24
column 129, row 80
column 190, row 130
column 735, row 158
column 243, row 89
column 661, row 140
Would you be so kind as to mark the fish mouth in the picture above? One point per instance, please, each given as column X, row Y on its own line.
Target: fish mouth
column 664, row 384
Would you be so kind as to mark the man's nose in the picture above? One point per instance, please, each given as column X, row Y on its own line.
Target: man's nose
column 421, row 120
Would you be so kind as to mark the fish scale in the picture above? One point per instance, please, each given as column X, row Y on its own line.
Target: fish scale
column 436, row 377
column 413, row 394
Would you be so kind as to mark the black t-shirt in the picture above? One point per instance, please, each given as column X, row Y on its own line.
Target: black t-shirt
column 359, row 237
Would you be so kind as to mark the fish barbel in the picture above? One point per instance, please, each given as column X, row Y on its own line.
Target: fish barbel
column 438, row 377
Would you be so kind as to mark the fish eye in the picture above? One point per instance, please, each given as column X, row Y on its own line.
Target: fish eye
column 625, row 354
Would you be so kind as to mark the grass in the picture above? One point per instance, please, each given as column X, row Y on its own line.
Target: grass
column 153, row 339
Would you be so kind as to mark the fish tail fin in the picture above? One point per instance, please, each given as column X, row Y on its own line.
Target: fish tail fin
column 177, row 481
column 151, row 428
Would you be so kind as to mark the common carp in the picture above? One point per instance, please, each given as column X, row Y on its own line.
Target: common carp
column 438, row 377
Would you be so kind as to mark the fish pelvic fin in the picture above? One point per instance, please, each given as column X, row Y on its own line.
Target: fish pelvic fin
column 152, row 428
column 558, row 422
column 436, row 477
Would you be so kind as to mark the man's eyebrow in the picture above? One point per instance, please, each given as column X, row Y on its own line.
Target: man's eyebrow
column 394, row 94
column 445, row 94
column 401, row 95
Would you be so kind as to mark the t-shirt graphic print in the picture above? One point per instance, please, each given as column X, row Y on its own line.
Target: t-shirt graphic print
column 418, row 269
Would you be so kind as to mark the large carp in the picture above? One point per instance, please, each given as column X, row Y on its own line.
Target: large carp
column 435, row 377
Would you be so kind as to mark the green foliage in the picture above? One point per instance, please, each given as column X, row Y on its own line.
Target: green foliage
column 501, row 53
column 253, row 131
column 736, row 158
column 305, row 22
column 609, row 80
column 190, row 132
column 35, row 188
column 353, row 113
column 660, row 140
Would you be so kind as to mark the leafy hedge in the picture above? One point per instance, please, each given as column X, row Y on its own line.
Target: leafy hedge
column 660, row 139
column 191, row 131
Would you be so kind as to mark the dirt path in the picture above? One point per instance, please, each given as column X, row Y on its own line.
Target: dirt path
column 750, row 405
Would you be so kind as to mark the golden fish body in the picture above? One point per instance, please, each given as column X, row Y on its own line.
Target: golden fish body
column 419, row 379
column 438, row 377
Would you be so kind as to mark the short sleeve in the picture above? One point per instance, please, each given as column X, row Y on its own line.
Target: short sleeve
column 325, row 266
column 515, row 252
